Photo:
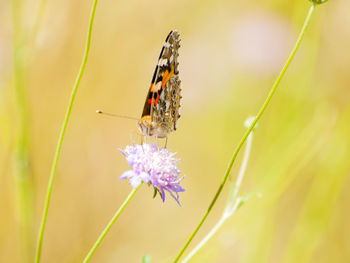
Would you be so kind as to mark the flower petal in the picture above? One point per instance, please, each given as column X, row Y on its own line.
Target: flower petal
column 127, row 174
column 124, row 153
column 144, row 177
column 135, row 181
column 175, row 197
column 162, row 194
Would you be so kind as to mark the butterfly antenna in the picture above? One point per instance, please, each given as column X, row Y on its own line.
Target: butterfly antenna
column 116, row 115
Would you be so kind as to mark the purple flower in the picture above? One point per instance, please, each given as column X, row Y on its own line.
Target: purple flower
column 155, row 166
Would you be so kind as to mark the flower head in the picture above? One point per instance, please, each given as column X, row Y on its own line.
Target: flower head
column 155, row 166
column 318, row 2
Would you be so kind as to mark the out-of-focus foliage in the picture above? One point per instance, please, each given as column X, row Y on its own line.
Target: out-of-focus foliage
column 231, row 52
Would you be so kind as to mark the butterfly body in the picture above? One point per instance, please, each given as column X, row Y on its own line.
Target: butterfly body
column 161, row 109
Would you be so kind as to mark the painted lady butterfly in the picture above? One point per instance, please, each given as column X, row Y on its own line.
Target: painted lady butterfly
column 161, row 109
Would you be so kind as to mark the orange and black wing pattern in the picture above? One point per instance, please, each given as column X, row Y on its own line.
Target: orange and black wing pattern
column 163, row 99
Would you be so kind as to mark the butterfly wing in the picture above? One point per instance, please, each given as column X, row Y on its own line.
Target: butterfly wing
column 161, row 108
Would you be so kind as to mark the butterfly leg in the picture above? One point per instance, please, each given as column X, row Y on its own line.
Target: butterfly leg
column 166, row 142
column 149, row 131
column 143, row 141
column 156, row 137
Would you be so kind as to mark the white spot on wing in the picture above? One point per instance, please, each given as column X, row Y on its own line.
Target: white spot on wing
column 162, row 62
column 158, row 86
column 167, row 105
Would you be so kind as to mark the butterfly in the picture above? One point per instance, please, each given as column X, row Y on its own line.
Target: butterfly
column 161, row 110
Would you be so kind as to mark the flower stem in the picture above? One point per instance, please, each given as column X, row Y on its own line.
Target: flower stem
column 109, row 225
column 261, row 111
column 232, row 202
column 63, row 130
column 234, row 188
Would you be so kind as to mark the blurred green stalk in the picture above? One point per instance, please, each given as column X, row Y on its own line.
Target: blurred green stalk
column 38, row 20
column 321, row 202
column 233, row 202
column 245, row 136
column 21, row 170
column 63, row 130
column 110, row 224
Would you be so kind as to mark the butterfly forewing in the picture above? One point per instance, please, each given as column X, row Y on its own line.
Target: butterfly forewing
column 161, row 109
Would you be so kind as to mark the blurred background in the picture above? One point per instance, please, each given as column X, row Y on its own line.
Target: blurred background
column 231, row 53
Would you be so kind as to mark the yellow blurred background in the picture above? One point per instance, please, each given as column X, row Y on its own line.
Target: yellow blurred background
column 231, row 53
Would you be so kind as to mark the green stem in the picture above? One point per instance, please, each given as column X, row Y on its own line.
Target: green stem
column 233, row 203
column 261, row 111
column 63, row 130
column 109, row 225
column 211, row 233
column 234, row 188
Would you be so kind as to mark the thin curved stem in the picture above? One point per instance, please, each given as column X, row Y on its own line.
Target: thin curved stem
column 211, row 233
column 63, row 130
column 258, row 116
column 109, row 225
column 237, row 185
column 233, row 203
